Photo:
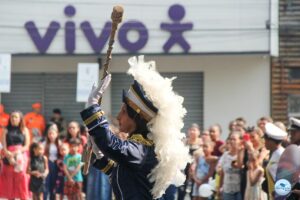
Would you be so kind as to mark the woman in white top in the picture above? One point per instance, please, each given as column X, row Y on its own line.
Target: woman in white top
column 230, row 170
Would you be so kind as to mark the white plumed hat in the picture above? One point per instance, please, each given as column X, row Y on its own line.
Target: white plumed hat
column 165, row 125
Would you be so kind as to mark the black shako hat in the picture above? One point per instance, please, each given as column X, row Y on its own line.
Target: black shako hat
column 136, row 99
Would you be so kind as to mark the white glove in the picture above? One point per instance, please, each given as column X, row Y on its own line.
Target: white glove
column 95, row 149
column 97, row 92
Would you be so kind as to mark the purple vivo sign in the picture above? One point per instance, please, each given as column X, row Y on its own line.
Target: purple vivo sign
column 176, row 14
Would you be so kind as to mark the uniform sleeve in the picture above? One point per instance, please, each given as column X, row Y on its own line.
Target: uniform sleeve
column 120, row 151
column 105, row 165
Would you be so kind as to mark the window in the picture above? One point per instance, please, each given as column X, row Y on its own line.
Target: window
column 294, row 106
column 294, row 73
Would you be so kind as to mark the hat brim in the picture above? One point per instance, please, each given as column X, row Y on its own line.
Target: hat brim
column 294, row 128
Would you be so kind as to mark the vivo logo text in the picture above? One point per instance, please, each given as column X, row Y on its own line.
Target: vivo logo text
column 97, row 42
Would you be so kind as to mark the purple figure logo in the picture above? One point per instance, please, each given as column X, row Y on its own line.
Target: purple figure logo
column 176, row 13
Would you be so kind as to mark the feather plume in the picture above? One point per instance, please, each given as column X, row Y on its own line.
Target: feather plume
column 165, row 127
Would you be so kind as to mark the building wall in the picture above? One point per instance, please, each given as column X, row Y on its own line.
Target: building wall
column 234, row 85
column 283, row 85
column 215, row 26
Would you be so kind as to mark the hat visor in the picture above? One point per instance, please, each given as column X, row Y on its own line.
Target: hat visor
column 268, row 137
column 292, row 129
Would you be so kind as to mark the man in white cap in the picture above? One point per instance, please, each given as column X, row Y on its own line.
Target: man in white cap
column 294, row 130
column 273, row 139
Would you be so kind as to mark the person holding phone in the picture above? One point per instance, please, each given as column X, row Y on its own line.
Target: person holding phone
column 230, row 169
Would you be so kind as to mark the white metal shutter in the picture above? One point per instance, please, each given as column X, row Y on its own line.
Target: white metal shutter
column 52, row 90
column 60, row 92
column 188, row 85
column 25, row 90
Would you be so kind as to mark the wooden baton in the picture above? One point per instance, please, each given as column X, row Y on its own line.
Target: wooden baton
column 116, row 17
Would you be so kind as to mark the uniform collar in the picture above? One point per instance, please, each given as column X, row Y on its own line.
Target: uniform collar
column 140, row 139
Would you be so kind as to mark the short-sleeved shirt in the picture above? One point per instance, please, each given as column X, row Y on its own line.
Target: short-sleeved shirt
column 4, row 118
column 232, row 176
column 72, row 162
column 216, row 151
column 202, row 168
column 36, row 125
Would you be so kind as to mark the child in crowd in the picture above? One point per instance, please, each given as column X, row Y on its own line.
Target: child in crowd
column 255, row 175
column 74, row 132
column 72, row 169
column 205, row 136
column 59, row 186
column 205, row 167
column 51, row 151
column 38, row 170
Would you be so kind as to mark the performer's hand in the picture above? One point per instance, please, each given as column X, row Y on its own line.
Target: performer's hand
column 97, row 92
column 95, row 149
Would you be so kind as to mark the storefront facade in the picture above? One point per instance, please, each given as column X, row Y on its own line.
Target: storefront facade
column 219, row 52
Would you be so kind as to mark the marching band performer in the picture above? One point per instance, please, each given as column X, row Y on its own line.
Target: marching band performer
column 154, row 156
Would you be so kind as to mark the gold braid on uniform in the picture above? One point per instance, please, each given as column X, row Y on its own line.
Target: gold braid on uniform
column 140, row 139
column 109, row 165
column 93, row 117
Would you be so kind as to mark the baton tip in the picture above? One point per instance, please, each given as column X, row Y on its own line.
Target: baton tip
column 117, row 13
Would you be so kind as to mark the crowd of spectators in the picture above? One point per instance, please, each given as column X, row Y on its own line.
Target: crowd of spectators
column 42, row 160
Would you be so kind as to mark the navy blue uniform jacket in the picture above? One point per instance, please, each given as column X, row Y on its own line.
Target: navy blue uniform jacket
column 128, row 163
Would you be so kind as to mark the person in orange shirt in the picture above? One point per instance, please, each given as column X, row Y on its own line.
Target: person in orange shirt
column 4, row 117
column 35, row 122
